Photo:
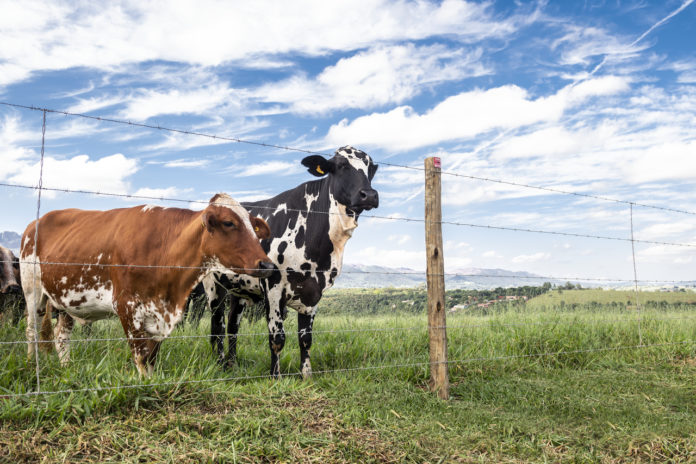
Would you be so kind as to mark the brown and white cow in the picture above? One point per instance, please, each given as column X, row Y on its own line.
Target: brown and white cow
column 139, row 264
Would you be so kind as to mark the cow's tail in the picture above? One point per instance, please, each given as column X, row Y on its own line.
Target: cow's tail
column 46, row 334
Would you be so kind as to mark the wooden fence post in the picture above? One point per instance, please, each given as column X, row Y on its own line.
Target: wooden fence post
column 437, row 322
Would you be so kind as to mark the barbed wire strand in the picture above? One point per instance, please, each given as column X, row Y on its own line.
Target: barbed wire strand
column 314, row 152
column 343, row 370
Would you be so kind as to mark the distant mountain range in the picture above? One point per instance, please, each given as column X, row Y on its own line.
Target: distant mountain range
column 11, row 240
column 357, row 276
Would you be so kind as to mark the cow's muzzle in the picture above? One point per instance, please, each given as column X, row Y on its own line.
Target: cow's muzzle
column 367, row 199
column 264, row 269
column 12, row 289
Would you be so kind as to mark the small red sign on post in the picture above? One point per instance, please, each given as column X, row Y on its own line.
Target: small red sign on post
column 436, row 162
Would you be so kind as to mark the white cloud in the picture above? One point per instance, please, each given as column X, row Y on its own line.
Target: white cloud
column 467, row 114
column 531, row 258
column 667, row 160
column 666, row 255
column 21, row 165
column 150, row 103
column 186, row 163
column 85, row 105
column 399, row 239
column 383, row 219
column 283, row 168
column 106, row 174
column 581, row 44
column 59, row 35
column 251, row 196
column 372, row 78
column 554, row 141
column 380, row 255
column 665, row 230
column 160, row 193
column 221, row 131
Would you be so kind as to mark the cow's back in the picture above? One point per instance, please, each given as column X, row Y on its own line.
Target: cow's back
column 76, row 236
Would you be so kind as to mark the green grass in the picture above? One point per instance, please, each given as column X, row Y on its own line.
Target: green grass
column 530, row 386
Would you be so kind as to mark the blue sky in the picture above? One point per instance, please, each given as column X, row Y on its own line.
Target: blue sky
column 594, row 97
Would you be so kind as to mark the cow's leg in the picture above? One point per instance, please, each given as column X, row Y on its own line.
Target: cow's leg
column 275, row 309
column 216, row 301
column 144, row 349
column 194, row 308
column 62, row 333
column 46, row 338
column 143, row 346
column 304, row 334
column 87, row 328
column 237, row 306
column 35, row 299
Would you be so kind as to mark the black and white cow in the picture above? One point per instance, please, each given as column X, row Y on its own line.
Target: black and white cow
column 9, row 272
column 310, row 226
column 11, row 296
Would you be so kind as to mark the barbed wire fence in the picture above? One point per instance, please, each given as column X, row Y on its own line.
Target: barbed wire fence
column 638, row 319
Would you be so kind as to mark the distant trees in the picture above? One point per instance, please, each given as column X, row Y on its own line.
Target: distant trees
column 413, row 300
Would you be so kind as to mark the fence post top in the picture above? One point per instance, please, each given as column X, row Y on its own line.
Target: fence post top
column 433, row 160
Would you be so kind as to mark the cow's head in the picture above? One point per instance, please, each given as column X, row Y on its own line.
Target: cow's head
column 9, row 272
column 232, row 237
column 349, row 172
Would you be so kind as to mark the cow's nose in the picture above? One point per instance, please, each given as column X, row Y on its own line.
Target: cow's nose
column 369, row 198
column 264, row 269
column 14, row 289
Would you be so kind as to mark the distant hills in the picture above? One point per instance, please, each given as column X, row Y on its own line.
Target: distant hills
column 11, row 240
column 358, row 276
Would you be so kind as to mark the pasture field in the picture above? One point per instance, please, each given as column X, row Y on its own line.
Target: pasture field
column 527, row 386
column 598, row 298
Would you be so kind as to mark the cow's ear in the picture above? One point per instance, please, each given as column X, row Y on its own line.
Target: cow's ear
column 209, row 221
column 260, row 227
column 318, row 165
column 372, row 170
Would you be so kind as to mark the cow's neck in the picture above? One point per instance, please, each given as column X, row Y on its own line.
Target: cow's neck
column 187, row 255
column 341, row 227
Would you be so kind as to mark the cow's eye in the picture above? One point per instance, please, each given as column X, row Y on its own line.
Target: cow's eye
column 229, row 224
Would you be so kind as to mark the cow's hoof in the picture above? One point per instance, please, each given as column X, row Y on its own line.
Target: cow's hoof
column 229, row 363
column 307, row 371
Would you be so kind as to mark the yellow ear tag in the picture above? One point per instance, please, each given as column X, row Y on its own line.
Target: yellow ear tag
column 256, row 229
column 319, row 169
